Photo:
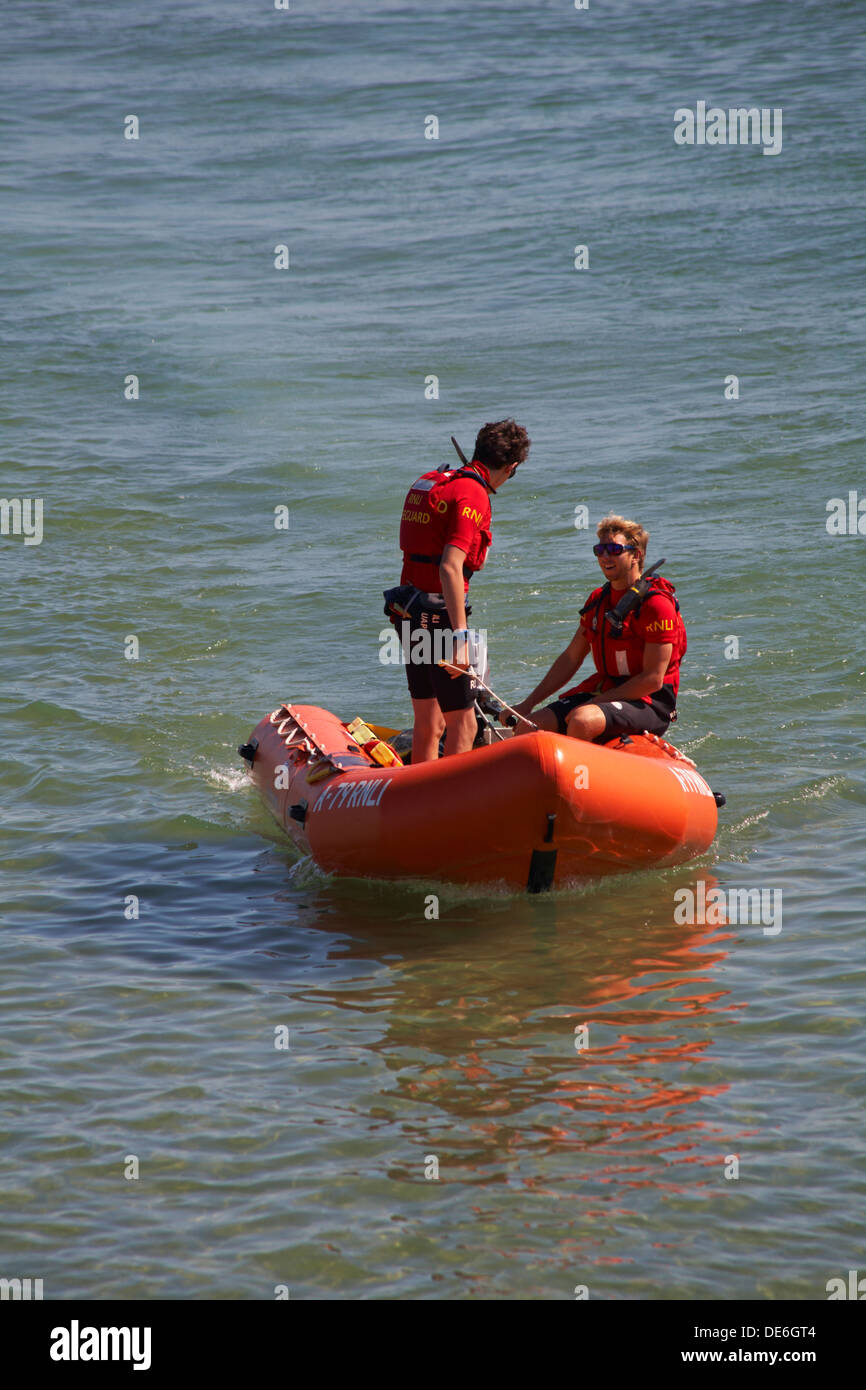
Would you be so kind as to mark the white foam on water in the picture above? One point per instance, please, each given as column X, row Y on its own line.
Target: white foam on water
column 231, row 779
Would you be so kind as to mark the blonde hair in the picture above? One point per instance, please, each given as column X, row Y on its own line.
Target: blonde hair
column 634, row 533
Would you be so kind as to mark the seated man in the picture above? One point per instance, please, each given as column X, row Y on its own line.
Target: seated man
column 636, row 678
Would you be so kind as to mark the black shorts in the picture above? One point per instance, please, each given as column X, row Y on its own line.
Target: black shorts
column 427, row 680
column 621, row 716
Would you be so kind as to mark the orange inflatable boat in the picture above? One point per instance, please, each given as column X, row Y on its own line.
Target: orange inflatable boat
column 527, row 812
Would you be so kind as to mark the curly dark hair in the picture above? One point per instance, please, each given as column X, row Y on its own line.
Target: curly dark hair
column 501, row 444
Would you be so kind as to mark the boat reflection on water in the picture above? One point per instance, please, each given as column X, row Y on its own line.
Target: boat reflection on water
column 545, row 1042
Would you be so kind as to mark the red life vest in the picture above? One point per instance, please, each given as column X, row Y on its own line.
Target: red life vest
column 442, row 508
column 618, row 658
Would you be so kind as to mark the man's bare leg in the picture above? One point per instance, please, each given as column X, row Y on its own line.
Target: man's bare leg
column 460, row 729
column 428, row 729
column 586, row 722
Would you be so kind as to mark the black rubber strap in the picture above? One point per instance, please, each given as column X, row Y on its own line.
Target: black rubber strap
column 436, row 560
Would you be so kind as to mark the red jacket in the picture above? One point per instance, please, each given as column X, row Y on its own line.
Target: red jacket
column 657, row 619
column 451, row 508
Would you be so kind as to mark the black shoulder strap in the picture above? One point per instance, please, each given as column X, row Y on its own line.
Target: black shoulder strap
column 470, row 473
column 653, row 589
column 593, row 603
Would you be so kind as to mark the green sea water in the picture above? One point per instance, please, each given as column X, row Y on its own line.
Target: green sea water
column 308, row 388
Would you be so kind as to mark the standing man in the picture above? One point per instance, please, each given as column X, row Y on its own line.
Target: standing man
column 637, row 669
column 445, row 535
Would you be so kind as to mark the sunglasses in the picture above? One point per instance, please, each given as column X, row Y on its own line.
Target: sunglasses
column 610, row 548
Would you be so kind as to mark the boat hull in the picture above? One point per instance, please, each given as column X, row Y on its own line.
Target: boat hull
column 528, row 812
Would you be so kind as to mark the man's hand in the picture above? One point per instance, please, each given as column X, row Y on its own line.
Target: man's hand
column 461, row 652
column 525, row 708
column 470, row 650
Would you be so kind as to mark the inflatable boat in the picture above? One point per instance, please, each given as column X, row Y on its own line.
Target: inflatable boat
column 525, row 812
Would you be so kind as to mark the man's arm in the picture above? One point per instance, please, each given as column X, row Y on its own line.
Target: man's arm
column 561, row 671
column 656, row 656
column 451, row 579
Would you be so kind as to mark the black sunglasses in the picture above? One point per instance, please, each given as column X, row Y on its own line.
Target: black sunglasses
column 610, row 548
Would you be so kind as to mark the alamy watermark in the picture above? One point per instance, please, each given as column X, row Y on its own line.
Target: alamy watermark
column 739, row 125
column 77, row 1343
column 22, row 516
column 846, row 518
column 855, row 1287
column 18, row 1289
column 717, row 907
column 427, row 646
